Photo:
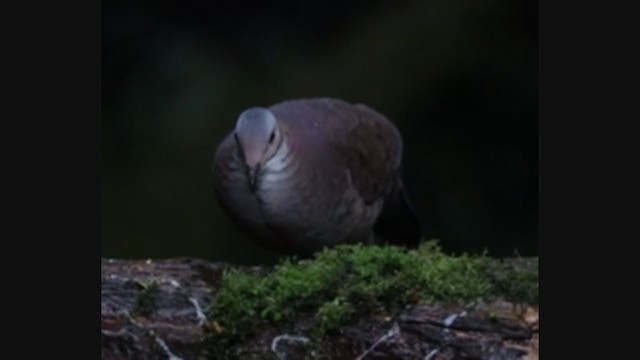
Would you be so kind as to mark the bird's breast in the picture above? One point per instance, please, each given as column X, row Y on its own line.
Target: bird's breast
column 276, row 183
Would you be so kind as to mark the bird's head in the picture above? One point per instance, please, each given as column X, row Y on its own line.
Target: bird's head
column 258, row 137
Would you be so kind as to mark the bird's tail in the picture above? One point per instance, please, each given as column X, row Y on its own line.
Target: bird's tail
column 398, row 223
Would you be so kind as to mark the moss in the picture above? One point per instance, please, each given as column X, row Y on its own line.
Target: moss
column 347, row 281
column 333, row 313
column 146, row 301
column 517, row 280
column 239, row 300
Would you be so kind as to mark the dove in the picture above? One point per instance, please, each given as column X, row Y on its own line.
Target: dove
column 306, row 174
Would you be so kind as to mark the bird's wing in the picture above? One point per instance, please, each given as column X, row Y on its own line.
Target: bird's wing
column 355, row 138
column 366, row 143
column 371, row 149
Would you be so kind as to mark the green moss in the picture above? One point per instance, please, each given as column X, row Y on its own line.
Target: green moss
column 354, row 280
column 333, row 313
column 146, row 301
column 517, row 280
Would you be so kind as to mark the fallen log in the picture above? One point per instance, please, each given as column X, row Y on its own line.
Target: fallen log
column 160, row 309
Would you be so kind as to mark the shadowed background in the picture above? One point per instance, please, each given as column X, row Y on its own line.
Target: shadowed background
column 459, row 79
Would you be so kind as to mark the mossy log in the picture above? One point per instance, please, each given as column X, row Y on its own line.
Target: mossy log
column 159, row 309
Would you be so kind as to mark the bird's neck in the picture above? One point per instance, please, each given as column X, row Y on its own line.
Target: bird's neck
column 279, row 168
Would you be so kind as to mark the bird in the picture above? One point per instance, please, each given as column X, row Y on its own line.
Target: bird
column 312, row 173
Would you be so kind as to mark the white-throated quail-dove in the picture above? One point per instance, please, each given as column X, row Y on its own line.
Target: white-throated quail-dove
column 311, row 173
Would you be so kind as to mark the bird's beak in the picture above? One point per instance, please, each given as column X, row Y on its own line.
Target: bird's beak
column 253, row 176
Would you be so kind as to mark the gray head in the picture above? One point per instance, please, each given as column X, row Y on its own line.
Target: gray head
column 258, row 136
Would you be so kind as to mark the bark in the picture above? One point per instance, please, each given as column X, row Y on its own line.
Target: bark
column 158, row 310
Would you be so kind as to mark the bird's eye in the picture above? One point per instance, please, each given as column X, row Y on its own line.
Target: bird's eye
column 273, row 135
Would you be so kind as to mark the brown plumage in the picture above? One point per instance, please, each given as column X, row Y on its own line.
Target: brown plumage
column 310, row 173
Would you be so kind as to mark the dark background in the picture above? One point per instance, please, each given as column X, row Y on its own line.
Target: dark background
column 459, row 78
